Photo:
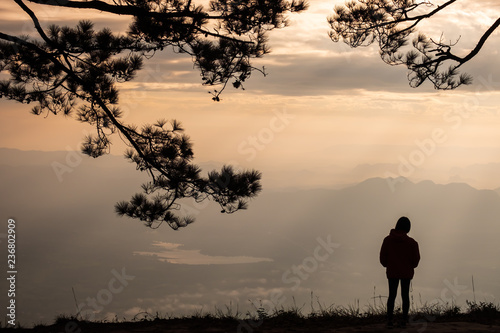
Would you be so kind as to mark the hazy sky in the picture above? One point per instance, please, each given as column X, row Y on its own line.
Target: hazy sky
column 326, row 116
column 336, row 107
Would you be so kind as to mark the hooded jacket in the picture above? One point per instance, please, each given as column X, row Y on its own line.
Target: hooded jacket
column 399, row 254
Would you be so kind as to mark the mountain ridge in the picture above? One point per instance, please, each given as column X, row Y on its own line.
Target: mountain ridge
column 17, row 157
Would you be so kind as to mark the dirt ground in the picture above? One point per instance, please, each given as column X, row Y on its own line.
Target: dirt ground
column 190, row 327
column 452, row 327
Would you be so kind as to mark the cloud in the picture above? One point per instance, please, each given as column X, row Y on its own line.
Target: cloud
column 303, row 61
column 172, row 253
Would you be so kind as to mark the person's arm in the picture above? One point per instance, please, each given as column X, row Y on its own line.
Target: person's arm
column 416, row 255
column 383, row 254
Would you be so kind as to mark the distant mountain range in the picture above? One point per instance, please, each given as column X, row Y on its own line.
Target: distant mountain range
column 289, row 177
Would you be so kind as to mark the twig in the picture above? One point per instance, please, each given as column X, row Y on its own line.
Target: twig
column 473, row 289
column 76, row 302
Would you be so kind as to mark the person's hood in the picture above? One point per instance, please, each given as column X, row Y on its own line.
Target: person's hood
column 398, row 234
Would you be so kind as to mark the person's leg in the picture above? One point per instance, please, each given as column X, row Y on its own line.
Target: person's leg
column 393, row 291
column 405, row 296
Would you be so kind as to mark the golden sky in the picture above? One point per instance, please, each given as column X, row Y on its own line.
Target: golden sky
column 322, row 104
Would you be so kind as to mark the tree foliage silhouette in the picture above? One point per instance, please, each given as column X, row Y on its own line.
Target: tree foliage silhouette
column 77, row 70
column 390, row 23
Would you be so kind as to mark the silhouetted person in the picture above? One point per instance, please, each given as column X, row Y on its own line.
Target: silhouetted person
column 400, row 255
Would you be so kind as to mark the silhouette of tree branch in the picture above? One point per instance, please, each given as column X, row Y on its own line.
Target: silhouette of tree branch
column 390, row 23
column 76, row 71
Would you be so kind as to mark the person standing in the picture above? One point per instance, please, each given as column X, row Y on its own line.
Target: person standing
column 400, row 256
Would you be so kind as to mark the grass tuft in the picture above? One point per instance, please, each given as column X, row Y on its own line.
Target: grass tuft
column 265, row 316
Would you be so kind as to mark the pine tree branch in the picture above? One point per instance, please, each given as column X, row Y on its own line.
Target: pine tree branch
column 482, row 40
column 141, row 12
column 125, row 9
column 419, row 18
column 447, row 55
column 428, row 15
column 123, row 129
column 33, row 17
